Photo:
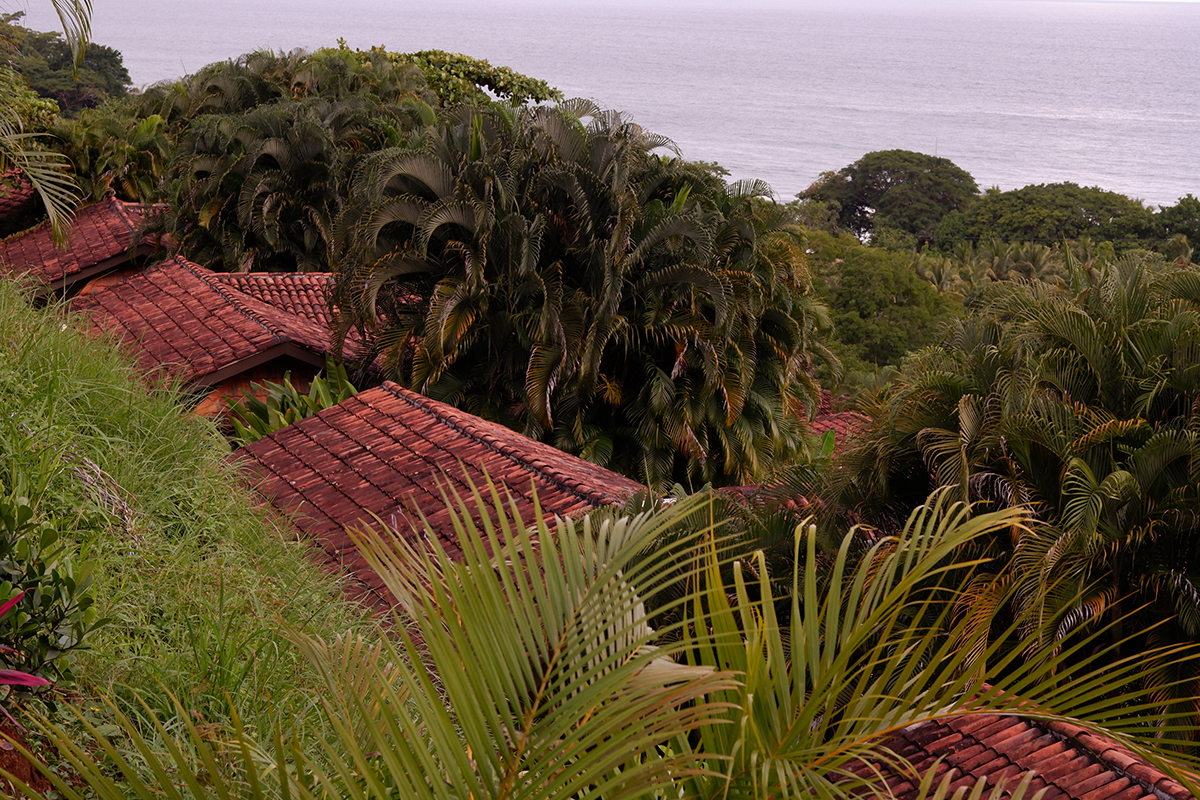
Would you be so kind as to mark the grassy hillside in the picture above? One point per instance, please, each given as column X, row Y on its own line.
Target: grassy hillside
column 196, row 581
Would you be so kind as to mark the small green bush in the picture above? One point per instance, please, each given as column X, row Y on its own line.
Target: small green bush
column 253, row 418
column 57, row 611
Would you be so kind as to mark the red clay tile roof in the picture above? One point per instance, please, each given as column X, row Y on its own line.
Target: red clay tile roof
column 1067, row 761
column 389, row 452
column 304, row 294
column 844, row 424
column 104, row 236
column 16, row 194
column 178, row 316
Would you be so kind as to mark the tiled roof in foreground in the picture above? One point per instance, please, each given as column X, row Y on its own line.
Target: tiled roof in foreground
column 388, row 452
column 305, row 294
column 1068, row 762
column 178, row 317
column 104, row 236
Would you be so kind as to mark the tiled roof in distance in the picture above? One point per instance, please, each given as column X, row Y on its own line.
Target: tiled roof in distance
column 302, row 293
column 103, row 235
column 16, row 193
column 388, row 451
column 844, row 424
column 1068, row 762
column 177, row 316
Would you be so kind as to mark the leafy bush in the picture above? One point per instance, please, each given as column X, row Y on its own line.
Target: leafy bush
column 55, row 611
column 253, row 418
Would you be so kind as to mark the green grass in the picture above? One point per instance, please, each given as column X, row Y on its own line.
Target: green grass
column 202, row 582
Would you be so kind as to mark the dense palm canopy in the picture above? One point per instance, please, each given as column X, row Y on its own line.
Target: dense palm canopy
column 555, row 268
column 1079, row 402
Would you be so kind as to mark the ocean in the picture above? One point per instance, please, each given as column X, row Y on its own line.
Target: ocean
column 1014, row 91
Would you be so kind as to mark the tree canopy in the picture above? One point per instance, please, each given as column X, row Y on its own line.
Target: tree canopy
column 1077, row 401
column 1049, row 213
column 896, row 189
column 558, row 270
column 880, row 308
column 48, row 63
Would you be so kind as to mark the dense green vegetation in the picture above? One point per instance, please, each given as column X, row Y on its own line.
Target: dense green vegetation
column 547, row 268
column 1077, row 401
column 551, row 682
column 894, row 190
column 48, row 64
column 193, row 582
column 549, row 264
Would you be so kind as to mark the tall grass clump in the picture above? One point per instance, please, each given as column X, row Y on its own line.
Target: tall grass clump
column 194, row 578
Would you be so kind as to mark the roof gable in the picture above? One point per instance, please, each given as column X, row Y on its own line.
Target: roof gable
column 388, row 452
column 104, row 236
column 178, row 317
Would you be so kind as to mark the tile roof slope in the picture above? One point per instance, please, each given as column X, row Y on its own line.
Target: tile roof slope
column 1068, row 762
column 102, row 233
column 302, row 293
column 15, row 193
column 388, row 451
column 843, row 424
column 179, row 317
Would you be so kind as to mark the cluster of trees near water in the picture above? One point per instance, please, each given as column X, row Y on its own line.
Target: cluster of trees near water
column 552, row 265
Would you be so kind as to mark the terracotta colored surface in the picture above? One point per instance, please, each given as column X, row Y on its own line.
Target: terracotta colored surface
column 304, row 294
column 177, row 317
column 16, row 194
column 1067, row 762
column 844, row 424
column 104, row 236
column 388, row 452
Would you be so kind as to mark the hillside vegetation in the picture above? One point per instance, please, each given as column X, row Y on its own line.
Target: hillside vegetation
column 195, row 582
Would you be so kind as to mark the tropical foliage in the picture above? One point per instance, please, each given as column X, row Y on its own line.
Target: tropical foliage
column 881, row 309
column 540, row 675
column 547, row 268
column 22, row 148
column 1078, row 402
column 49, row 64
column 271, row 406
column 1049, row 213
column 895, row 189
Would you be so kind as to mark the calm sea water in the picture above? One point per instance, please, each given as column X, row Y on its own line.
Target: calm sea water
column 1014, row 91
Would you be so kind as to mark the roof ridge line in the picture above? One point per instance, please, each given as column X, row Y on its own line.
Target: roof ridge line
column 118, row 206
column 222, row 290
column 1064, row 734
column 553, row 476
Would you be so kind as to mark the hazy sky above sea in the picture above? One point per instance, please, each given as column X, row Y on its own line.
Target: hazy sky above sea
column 1097, row 92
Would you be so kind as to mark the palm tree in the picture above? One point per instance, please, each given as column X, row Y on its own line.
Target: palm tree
column 1078, row 402
column 546, row 268
column 46, row 171
column 539, row 674
column 113, row 150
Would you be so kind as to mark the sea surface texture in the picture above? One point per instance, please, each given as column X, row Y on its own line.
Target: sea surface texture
column 1014, row 91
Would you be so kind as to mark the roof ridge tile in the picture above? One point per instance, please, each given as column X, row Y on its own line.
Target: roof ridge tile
column 469, row 426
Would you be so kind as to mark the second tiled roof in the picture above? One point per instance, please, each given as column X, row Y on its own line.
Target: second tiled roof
column 178, row 316
column 102, row 233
